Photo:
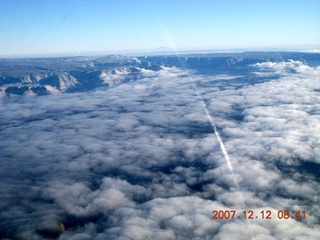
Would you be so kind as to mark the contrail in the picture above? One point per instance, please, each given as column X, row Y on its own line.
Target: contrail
column 216, row 132
column 223, row 149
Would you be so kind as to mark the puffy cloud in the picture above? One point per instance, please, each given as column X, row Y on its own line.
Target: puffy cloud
column 141, row 161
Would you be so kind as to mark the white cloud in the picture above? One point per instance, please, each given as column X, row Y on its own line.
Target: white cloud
column 141, row 161
column 114, row 77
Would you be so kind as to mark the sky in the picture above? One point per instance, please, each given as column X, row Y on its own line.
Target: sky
column 29, row 27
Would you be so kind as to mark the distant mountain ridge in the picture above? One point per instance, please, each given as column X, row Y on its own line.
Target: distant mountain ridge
column 46, row 76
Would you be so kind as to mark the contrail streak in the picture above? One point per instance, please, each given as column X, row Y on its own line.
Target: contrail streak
column 216, row 132
column 223, row 149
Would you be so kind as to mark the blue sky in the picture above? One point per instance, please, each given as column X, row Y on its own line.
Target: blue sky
column 78, row 26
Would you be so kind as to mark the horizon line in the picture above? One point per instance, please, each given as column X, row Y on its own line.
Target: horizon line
column 311, row 48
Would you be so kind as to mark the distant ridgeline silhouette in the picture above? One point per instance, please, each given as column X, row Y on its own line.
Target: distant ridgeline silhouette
column 46, row 76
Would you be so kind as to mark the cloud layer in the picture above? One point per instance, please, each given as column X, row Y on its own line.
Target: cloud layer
column 141, row 161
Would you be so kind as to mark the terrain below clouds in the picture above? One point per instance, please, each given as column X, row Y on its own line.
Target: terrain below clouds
column 126, row 147
column 47, row 76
